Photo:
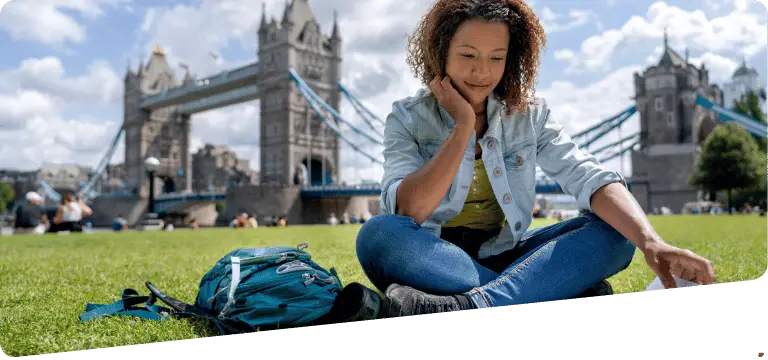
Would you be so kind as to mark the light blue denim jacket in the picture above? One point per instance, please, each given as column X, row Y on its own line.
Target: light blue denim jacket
column 512, row 146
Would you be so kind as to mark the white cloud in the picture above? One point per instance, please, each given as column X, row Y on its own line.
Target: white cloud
column 554, row 22
column 740, row 31
column 33, row 98
column 17, row 108
column 720, row 68
column 47, row 137
column 100, row 85
column 49, row 21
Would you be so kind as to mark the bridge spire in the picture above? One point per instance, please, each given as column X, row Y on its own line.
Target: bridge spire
column 263, row 15
column 288, row 13
column 666, row 39
column 335, row 31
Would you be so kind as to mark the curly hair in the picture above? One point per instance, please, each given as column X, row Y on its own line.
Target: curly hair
column 428, row 46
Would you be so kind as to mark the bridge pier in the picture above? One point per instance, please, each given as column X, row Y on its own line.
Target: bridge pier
column 263, row 200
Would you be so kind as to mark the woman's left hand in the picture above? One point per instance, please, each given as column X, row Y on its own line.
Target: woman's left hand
column 666, row 260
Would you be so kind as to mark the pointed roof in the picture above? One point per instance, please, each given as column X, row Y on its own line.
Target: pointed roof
column 298, row 13
column 670, row 57
column 263, row 25
column 335, row 32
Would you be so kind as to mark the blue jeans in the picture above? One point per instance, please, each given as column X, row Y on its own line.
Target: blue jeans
column 554, row 262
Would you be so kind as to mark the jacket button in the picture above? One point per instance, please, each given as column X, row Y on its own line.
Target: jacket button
column 491, row 144
column 519, row 160
column 497, row 171
column 518, row 225
column 507, row 198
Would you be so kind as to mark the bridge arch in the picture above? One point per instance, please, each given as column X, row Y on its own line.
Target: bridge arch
column 704, row 123
column 169, row 185
column 310, row 171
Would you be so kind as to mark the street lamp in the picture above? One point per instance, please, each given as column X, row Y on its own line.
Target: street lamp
column 151, row 164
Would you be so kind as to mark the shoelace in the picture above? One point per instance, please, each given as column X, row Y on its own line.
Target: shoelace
column 435, row 305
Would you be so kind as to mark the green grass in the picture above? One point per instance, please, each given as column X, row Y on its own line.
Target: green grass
column 46, row 281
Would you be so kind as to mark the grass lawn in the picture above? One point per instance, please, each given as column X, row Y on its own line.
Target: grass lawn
column 47, row 280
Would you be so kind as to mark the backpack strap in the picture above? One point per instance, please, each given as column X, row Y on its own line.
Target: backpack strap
column 184, row 310
column 127, row 306
column 130, row 298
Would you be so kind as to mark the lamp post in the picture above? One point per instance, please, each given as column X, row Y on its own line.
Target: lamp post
column 151, row 164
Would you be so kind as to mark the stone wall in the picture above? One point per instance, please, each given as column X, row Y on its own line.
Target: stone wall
column 660, row 178
column 105, row 210
column 318, row 210
column 263, row 200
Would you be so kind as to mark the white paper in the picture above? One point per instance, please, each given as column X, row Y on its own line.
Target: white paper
column 657, row 285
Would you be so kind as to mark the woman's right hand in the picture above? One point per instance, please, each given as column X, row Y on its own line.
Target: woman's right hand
column 453, row 102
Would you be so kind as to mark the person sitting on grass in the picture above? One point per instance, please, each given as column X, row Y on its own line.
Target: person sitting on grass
column 460, row 174
column 30, row 217
column 120, row 224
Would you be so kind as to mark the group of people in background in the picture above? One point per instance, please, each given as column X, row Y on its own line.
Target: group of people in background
column 32, row 218
column 346, row 219
column 243, row 220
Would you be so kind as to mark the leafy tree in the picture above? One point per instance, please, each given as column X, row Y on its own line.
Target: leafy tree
column 6, row 196
column 729, row 160
column 220, row 207
column 749, row 105
column 754, row 195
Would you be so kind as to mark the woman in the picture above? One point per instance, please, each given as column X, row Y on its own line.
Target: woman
column 69, row 214
column 459, row 180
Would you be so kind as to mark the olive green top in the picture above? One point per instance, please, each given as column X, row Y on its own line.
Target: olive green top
column 481, row 209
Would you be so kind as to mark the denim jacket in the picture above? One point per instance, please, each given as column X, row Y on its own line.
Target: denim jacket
column 512, row 147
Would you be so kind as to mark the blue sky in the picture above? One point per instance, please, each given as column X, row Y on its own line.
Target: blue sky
column 63, row 62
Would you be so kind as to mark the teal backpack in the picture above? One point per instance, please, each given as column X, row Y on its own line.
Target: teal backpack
column 248, row 289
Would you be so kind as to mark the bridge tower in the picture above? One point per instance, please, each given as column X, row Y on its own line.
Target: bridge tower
column 672, row 127
column 161, row 133
column 286, row 137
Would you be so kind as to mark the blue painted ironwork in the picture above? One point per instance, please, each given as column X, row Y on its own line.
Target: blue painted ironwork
column 221, row 82
column 311, row 94
column 240, row 95
column 361, row 110
column 753, row 126
column 313, row 104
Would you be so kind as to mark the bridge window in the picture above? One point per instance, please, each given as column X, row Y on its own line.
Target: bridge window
column 659, row 104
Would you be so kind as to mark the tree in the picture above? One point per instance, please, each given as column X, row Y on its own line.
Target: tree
column 729, row 160
column 6, row 196
column 754, row 196
column 749, row 105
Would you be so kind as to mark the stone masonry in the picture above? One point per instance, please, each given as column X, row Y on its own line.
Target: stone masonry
column 672, row 127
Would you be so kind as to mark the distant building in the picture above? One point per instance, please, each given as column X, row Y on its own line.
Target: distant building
column 743, row 80
column 672, row 129
column 64, row 178
column 216, row 167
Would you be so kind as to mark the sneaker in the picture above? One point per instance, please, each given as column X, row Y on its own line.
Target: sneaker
column 402, row 300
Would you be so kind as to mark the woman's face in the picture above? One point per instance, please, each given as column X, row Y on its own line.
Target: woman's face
column 476, row 57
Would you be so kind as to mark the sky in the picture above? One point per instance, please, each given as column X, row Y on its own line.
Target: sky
column 63, row 63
